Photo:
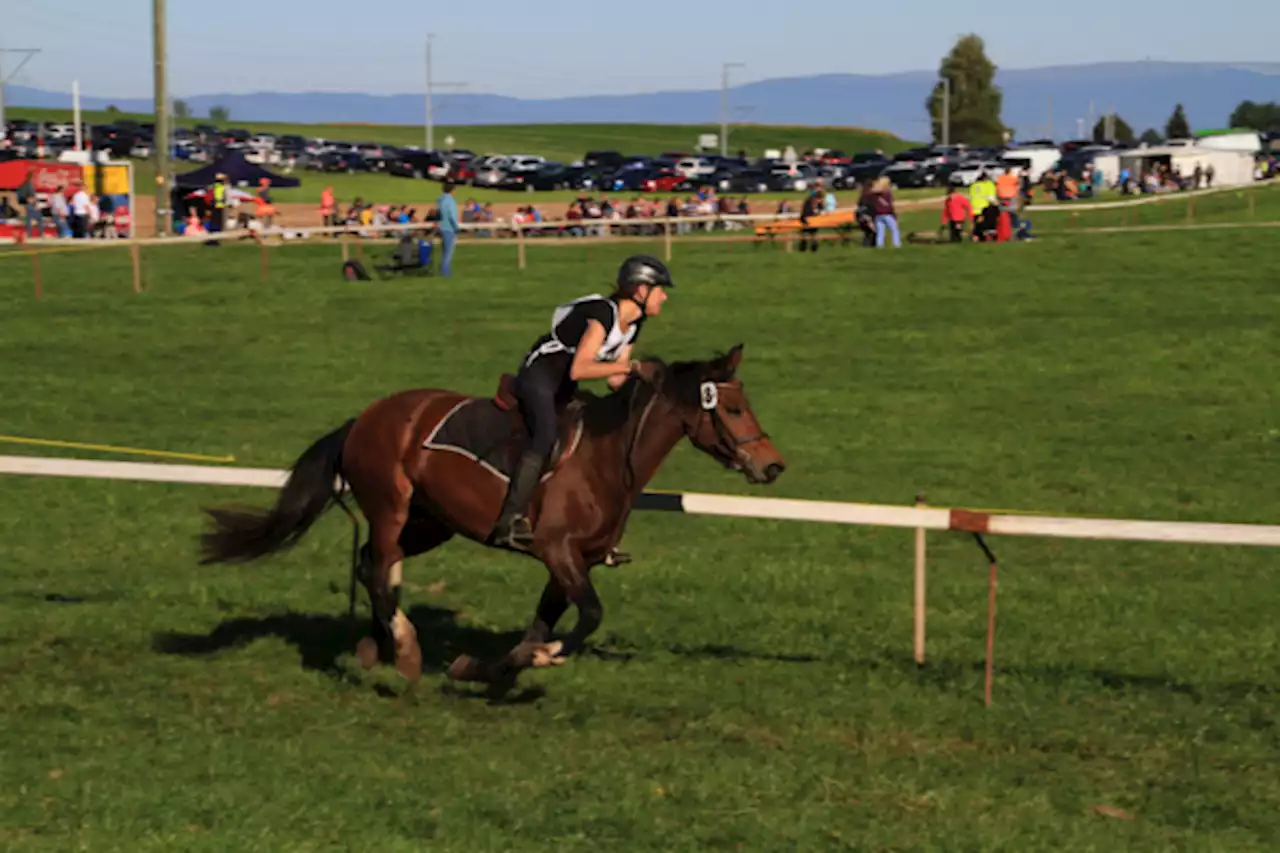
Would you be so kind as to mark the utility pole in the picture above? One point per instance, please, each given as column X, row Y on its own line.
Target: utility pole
column 946, row 111
column 724, row 105
column 160, row 145
column 1050, row 134
column 1092, row 122
column 432, row 85
column 27, row 53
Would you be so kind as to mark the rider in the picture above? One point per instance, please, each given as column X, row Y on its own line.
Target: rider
column 590, row 338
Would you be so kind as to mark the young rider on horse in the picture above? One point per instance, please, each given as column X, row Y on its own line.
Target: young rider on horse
column 590, row 338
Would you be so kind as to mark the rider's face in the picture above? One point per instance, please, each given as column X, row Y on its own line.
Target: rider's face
column 652, row 298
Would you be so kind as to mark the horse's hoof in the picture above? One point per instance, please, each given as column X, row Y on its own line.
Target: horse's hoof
column 548, row 654
column 367, row 652
column 409, row 665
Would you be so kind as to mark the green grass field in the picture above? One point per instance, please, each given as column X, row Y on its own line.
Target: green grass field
column 752, row 686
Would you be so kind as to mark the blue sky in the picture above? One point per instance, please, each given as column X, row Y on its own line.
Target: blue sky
column 550, row 49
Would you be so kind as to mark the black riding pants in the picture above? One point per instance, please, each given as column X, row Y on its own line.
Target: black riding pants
column 542, row 388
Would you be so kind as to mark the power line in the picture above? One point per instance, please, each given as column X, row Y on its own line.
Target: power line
column 724, row 105
column 432, row 85
column 27, row 53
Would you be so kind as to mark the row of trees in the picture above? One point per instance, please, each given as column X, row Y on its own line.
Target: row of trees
column 217, row 115
column 975, row 102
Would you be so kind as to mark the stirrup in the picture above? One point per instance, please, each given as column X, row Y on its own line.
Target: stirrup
column 515, row 532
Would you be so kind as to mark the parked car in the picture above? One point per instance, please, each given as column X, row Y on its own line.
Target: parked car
column 650, row 180
column 344, row 161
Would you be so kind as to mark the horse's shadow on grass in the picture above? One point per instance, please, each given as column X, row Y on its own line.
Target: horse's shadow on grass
column 322, row 640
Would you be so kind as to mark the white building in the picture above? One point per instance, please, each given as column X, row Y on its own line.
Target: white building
column 1230, row 168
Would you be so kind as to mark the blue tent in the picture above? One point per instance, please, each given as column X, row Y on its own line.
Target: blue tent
column 239, row 172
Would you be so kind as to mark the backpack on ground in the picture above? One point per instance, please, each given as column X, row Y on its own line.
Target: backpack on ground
column 355, row 271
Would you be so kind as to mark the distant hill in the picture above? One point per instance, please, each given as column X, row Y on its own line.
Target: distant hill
column 1144, row 93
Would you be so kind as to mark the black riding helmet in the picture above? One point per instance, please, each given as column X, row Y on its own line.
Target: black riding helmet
column 642, row 269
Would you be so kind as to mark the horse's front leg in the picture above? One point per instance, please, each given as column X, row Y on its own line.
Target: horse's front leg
column 571, row 571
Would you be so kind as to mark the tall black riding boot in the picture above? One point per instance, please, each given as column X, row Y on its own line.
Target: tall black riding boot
column 513, row 529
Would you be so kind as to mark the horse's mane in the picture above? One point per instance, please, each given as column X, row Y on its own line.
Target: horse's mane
column 677, row 381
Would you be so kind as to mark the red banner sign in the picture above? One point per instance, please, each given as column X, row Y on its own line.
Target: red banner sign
column 48, row 177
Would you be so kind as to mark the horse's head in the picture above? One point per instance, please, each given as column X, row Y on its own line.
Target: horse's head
column 717, row 416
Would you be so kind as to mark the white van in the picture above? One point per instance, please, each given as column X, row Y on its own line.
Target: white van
column 1036, row 160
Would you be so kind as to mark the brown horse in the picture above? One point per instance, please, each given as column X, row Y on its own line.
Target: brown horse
column 418, row 490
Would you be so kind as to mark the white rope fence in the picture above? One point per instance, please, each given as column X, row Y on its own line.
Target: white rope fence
column 920, row 518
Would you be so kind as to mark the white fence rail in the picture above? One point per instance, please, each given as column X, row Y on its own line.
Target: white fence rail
column 919, row 518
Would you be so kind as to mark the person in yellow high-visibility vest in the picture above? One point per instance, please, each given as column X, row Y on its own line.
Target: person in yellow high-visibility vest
column 982, row 194
column 218, row 202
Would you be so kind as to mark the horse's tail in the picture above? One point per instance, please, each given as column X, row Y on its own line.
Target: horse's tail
column 244, row 535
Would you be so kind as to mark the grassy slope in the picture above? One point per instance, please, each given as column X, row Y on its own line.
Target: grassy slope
column 753, row 688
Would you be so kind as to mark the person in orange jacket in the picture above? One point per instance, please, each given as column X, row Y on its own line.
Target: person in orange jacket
column 956, row 211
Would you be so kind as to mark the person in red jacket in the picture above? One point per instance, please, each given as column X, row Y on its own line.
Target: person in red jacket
column 956, row 211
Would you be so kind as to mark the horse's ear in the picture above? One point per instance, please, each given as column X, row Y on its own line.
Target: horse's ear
column 734, row 359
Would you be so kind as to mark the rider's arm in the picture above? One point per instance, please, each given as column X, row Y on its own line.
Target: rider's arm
column 624, row 357
column 585, row 365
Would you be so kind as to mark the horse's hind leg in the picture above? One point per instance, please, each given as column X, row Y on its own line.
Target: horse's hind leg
column 382, row 573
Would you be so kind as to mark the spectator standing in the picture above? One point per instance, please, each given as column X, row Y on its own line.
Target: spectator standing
column 448, row 227
column 886, row 215
column 327, row 208
column 60, row 211
column 27, row 198
column 955, row 213
column 218, row 196
column 1007, row 190
column 81, row 209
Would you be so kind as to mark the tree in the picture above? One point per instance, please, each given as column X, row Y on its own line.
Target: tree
column 975, row 99
column 1261, row 117
column 1150, row 136
column 1120, row 131
column 1177, row 127
column 219, row 115
column 113, row 110
column 180, row 109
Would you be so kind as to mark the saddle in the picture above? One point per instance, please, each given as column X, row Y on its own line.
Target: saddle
column 491, row 431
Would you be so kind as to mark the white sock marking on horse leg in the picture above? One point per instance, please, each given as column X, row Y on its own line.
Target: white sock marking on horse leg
column 401, row 627
column 396, row 575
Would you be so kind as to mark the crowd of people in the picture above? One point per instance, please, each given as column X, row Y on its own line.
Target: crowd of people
column 70, row 211
column 975, row 213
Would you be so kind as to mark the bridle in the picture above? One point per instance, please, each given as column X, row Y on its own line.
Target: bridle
column 728, row 450
column 709, row 404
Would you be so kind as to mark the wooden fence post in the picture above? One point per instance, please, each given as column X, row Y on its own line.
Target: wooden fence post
column 266, row 263
column 919, row 590
column 35, row 271
column 1253, row 201
column 346, row 250
column 135, row 257
column 520, row 258
column 1191, row 210
column 666, row 231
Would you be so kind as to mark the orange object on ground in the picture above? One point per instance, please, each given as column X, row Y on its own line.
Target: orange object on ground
column 1004, row 228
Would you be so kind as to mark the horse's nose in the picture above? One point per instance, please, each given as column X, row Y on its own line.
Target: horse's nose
column 773, row 471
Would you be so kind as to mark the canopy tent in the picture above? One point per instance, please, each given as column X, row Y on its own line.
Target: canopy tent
column 239, row 172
